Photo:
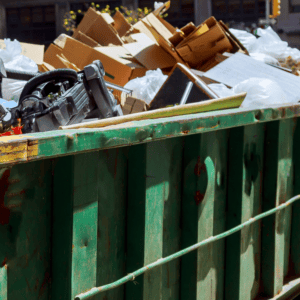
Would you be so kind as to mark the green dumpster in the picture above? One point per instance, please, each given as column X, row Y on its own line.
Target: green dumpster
column 191, row 207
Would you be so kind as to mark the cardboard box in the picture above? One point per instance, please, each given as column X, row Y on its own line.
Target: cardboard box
column 204, row 44
column 132, row 105
column 34, row 52
column 118, row 70
column 98, row 27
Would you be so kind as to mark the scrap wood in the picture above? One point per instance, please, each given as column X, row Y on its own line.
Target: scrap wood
column 193, row 108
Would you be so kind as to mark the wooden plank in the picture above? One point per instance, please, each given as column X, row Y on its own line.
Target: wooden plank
column 191, row 108
column 75, row 223
column 28, row 200
column 295, row 230
column 277, row 189
column 112, row 220
column 203, row 207
column 154, row 176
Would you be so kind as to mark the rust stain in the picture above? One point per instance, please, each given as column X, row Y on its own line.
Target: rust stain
column 28, row 284
column 199, row 168
column 10, row 195
column 47, row 279
column 4, row 211
column 4, row 263
column 185, row 131
column 32, row 150
column 198, row 197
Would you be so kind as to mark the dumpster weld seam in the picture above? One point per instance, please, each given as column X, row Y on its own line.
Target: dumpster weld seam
column 96, row 290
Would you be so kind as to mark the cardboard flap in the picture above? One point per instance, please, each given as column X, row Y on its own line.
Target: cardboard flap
column 87, row 22
column 107, row 17
column 159, row 26
column 121, row 24
column 188, row 28
column 142, row 28
column 80, row 36
column 148, row 53
column 165, row 44
column 51, row 56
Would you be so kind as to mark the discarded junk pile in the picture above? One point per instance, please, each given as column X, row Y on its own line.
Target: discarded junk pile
column 110, row 69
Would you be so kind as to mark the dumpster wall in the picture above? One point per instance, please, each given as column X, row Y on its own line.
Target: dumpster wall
column 74, row 222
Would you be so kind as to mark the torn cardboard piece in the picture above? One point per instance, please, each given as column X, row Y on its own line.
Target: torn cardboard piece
column 148, row 53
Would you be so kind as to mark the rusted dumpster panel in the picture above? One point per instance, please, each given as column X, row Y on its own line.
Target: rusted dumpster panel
column 84, row 208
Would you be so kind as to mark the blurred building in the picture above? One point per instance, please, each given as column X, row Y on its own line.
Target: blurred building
column 41, row 21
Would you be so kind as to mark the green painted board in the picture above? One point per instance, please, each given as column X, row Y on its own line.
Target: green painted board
column 28, row 200
column 250, row 247
column 154, row 178
column 204, row 195
column 112, row 199
column 278, row 180
column 75, row 225
column 244, row 201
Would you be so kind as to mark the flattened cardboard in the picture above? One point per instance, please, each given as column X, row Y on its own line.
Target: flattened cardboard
column 148, row 53
column 121, row 24
column 32, row 51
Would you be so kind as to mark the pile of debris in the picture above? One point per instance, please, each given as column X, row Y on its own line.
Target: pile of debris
column 149, row 66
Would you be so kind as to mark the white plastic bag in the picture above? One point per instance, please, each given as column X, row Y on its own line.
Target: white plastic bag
column 14, row 60
column 270, row 43
column 246, row 38
column 12, row 89
column 157, row 5
column 261, row 92
column 145, row 88
column 221, row 90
